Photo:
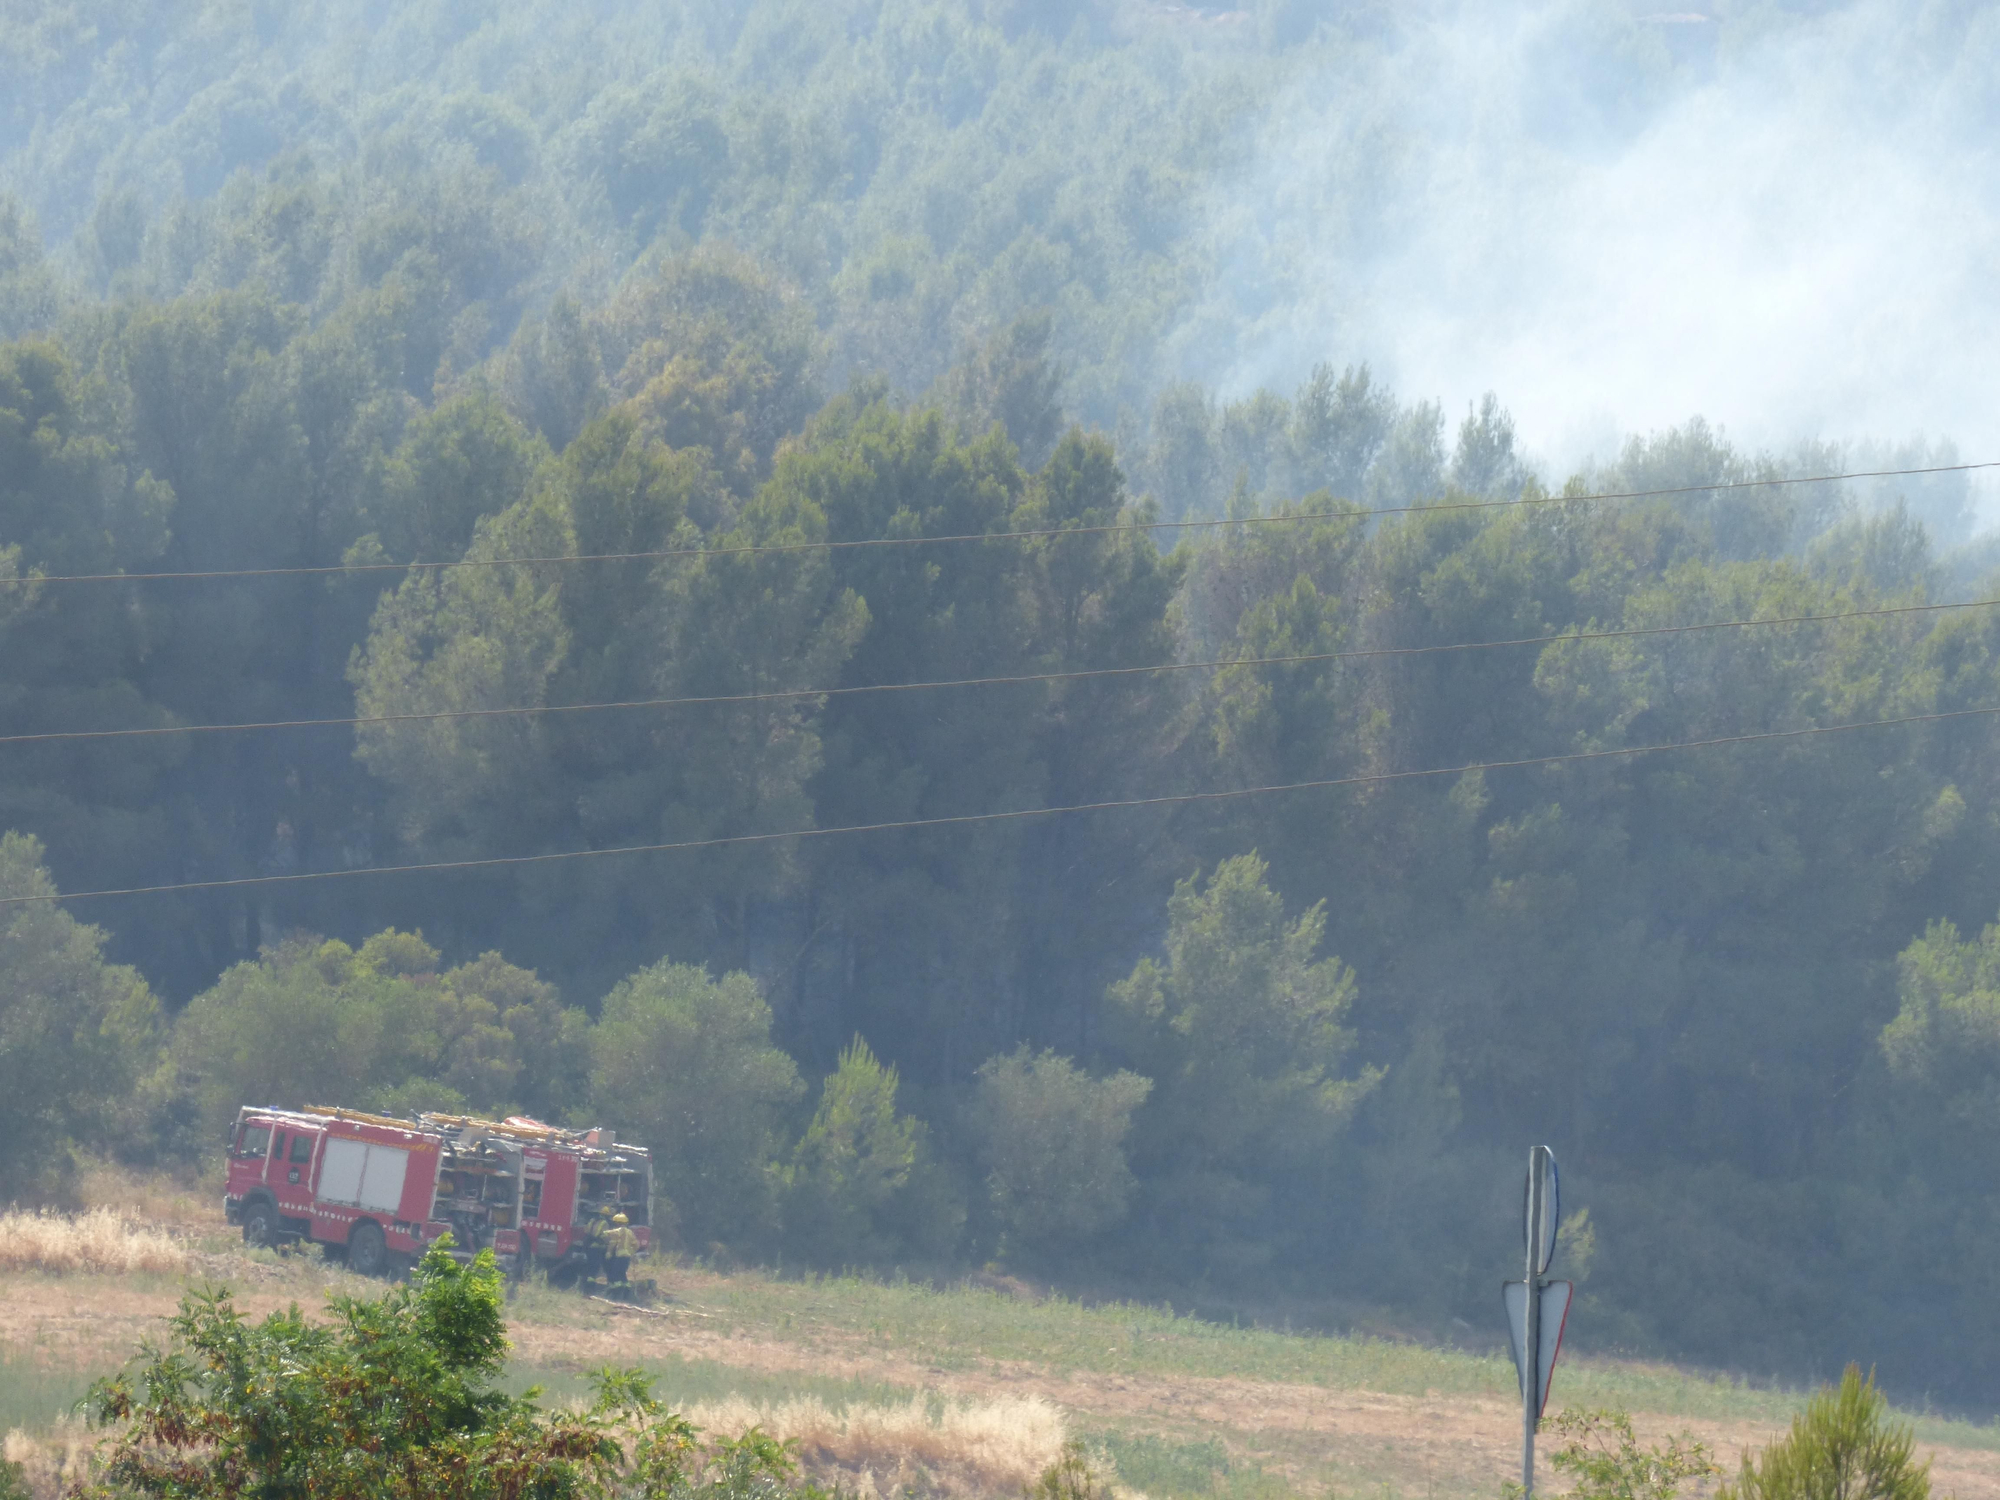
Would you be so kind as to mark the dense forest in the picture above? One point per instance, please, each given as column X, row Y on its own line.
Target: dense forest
column 813, row 384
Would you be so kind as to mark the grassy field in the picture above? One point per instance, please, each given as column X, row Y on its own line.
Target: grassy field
column 953, row 1393
column 965, row 1327
column 970, row 1338
column 36, row 1393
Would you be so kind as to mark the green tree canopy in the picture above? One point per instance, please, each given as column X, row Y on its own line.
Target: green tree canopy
column 463, row 460
column 1945, row 1039
column 1241, row 1031
column 684, row 1065
column 316, row 1022
column 1052, row 1140
column 76, row 1033
column 848, row 1168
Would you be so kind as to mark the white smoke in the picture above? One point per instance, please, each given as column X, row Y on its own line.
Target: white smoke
column 1789, row 224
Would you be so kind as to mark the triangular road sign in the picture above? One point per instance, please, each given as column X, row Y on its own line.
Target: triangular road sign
column 1555, row 1313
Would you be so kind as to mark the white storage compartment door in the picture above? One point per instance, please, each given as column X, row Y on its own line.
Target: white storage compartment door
column 382, row 1179
column 340, row 1171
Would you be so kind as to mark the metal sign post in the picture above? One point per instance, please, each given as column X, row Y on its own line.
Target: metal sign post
column 1531, row 1352
column 1537, row 1309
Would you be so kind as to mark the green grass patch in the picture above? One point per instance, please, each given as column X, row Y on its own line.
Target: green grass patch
column 1169, row 1470
column 35, row 1394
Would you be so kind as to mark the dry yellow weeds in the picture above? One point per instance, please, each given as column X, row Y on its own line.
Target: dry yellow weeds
column 185, row 1204
column 968, row 1451
column 51, row 1461
column 98, row 1240
column 960, row 1451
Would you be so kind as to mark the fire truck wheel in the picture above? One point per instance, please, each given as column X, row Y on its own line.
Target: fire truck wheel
column 260, row 1224
column 367, row 1251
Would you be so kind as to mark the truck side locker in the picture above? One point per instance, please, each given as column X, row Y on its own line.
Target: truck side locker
column 419, row 1185
column 558, row 1206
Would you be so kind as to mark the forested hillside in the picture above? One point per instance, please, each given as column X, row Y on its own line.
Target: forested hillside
column 705, row 424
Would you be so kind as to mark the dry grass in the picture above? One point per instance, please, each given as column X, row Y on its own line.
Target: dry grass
column 51, row 1461
column 959, row 1450
column 917, row 1449
column 186, row 1202
column 98, row 1239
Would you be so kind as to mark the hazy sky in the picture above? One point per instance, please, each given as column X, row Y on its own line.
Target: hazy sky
column 1792, row 231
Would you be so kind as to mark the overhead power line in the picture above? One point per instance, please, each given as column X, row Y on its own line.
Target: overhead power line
column 337, row 569
column 1012, row 815
column 1015, row 679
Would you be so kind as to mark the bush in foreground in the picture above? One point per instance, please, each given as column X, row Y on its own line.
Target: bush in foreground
column 394, row 1399
column 1604, row 1461
column 1841, row 1447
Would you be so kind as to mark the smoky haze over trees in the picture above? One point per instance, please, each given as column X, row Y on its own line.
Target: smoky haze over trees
column 387, row 284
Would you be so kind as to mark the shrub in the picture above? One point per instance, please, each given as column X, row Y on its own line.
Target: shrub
column 394, row 1399
column 1605, row 1462
column 1841, row 1447
column 1070, row 1477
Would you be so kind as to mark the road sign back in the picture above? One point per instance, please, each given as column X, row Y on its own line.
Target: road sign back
column 1551, row 1214
column 1555, row 1313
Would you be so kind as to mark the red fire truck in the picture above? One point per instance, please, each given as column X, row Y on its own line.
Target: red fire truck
column 381, row 1189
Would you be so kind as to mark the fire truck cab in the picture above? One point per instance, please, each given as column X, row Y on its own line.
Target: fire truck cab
column 381, row 1189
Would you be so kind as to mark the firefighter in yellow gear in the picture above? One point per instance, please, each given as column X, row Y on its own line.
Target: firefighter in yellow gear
column 620, row 1245
column 591, row 1233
